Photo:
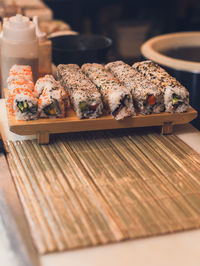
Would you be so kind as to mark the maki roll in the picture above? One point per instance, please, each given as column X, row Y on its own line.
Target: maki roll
column 51, row 103
column 48, row 82
column 44, row 82
column 25, row 105
column 20, row 79
column 15, row 88
column 83, row 94
column 147, row 97
column 176, row 96
column 117, row 98
column 20, row 71
column 22, row 83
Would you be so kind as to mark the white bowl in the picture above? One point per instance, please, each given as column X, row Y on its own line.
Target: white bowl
column 153, row 48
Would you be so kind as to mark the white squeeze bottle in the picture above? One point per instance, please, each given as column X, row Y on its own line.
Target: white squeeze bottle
column 19, row 45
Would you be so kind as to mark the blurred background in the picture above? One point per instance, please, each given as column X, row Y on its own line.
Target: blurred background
column 128, row 22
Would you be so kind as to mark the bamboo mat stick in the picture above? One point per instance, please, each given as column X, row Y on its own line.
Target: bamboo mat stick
column 158, row 192
column 96, row 220
column 179, row 149
column 157, row 197
column 42, row 191
column 111, row 189
column 191, row 169
column 79, row 227
column 173, row 175
column 108, row 193
column 37, row 234
column 177, row 163
column 45, row 176
column 184, row 148
column 123, row 185
column 84, row 179
column 94, row 188
column 36, row 217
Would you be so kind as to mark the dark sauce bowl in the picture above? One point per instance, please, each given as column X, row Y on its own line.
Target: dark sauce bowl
column 175, row 52
column 80, row 49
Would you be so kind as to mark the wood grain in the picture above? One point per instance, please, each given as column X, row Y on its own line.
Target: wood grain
column 42, row 128
column 71, row 123
column 15, row 235
column 91, row 188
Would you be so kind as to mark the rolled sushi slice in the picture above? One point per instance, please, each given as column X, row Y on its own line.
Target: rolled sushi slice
column 84, row 97
column 48, row 82
column 51, row 104
column 15, row 87
column 147, row 97
column 21, row 83
column 25, row 105
column 10, row 98
column 117, row 98
column 176, row 96
column 20, row 79
column 20, row 71
column 44, row 82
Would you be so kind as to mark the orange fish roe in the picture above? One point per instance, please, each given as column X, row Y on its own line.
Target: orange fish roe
column 11, row 96
column 51, row 103
column 47, row 81
column 20, row 81
column 21, row 70
column 18, row 72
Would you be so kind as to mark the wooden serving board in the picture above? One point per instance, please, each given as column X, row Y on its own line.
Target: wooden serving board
column 44, row 127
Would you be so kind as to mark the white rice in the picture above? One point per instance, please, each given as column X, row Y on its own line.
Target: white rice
column 31, row 101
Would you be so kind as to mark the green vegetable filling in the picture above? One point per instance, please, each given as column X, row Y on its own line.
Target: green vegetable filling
column 21, row 106
column 52, row 109
column 83, row 106
column 25, row 108
column 176, row 99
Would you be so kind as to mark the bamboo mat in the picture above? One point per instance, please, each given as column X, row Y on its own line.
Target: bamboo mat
column 100, row 187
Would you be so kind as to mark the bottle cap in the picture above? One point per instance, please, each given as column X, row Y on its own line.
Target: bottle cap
column 19, row 28
column 42, row 36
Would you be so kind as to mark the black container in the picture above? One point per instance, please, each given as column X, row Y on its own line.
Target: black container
column 80, row 49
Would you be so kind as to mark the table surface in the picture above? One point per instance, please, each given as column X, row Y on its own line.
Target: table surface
column 172, row 249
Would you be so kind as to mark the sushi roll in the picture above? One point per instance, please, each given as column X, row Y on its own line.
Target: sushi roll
column 16, row 88
column 117, row 98
column 10, row 98
column 44, row 82
column 20, row 71
column 20, row 76
column 49, row 82
column 51, row 103
column 147, row 97
column 83, row 94
column 176, row 96
column 18, row 83
column 22, row 83
column 25, row 105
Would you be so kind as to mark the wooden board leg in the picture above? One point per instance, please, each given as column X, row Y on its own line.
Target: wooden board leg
column 167, row 128
column 43, row 137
